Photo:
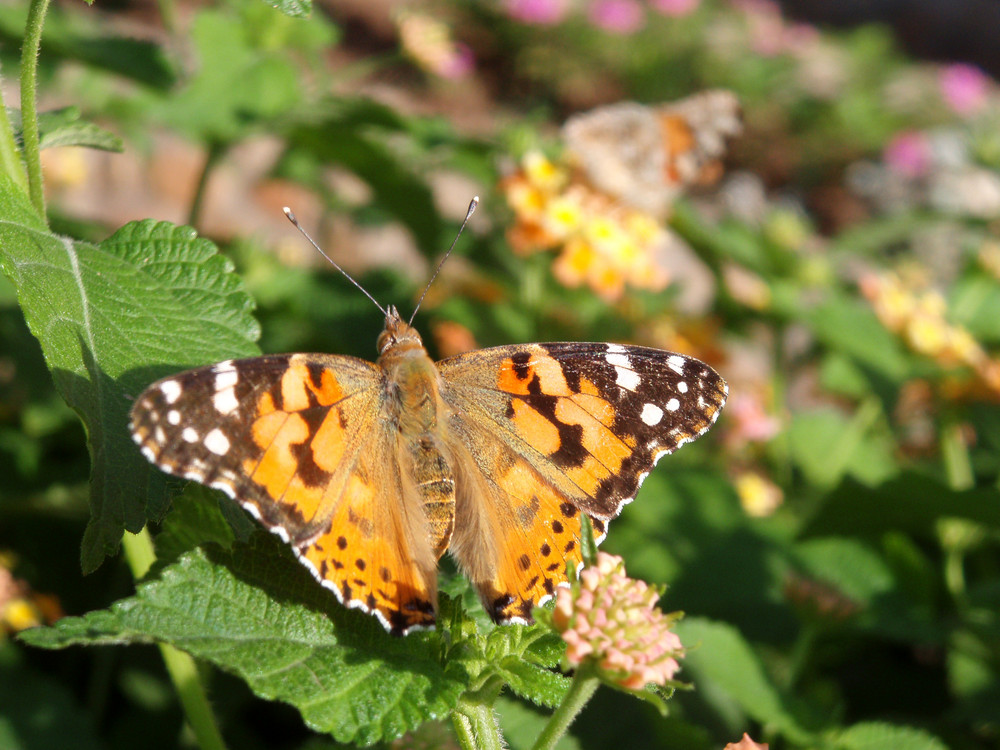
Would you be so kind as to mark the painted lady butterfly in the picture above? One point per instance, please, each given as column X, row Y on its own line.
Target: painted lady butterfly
column 645, row 155
column 371, row 471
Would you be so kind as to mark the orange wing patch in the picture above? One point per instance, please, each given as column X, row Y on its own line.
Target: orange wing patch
column 535, row 534
column 367, row 560
column 570, row 425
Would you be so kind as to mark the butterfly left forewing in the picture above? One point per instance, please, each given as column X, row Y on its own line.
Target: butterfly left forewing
column 555, row 431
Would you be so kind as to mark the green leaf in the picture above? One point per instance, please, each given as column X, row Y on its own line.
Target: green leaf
column 62, row 127
column 826, row 445
column 850, row 327
column 849, row 564
column 912, row 503
column 975, row 304
column 717, row 653
column 354, row 137
column 257, row 613
column 236, row 87
column 293, row 8
column 196, row 518
column 79, row 36
column 111, row 318
column 877, row 736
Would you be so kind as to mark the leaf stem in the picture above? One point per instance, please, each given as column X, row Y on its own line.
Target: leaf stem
column 29, row 104
column 476, row 726
column 11, row 163
column 180, row 666
column 580, row 691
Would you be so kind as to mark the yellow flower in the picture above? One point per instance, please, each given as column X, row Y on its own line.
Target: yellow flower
column 542, row 173
column 759, row 496
column 563, row 216
column 574, row 264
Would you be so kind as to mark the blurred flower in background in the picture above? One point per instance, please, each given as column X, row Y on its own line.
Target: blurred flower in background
column 613, row 16
column 919, row 316
column 675, row 8
column 617, row 16
column 599, row 242
column 542, row 12
column 965, row 88
column 429, row 43
column 20, row 607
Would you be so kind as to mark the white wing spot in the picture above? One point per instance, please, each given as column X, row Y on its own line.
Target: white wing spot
column 217, row 442
column 160, row 435
column 225, row 401
column 226, row 366
column 225, row 487
column 651, row 414
column 171, row 390
column 673, row 404
column 616, row 349
column 174, row 416
column 617, row 359
column 682, row 387
column 627, row 378
column 190, row 435
column 676, row 363
column 225, row 379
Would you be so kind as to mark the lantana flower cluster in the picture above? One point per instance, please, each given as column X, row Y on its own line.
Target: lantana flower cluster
column 612, row 621
column 919, row 317
column 601, row 242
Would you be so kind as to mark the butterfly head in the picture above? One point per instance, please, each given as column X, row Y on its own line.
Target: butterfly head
column 397, row 333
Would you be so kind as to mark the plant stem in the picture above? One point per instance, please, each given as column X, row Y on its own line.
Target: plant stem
column 180, row 666
column 215, row 152
column 168, row 15
column 476, row 727
column 10, row 156
column 955, row 453
column 580, row 691
column 801, row 652
column 29, row 105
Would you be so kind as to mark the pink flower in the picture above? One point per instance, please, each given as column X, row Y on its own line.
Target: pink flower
column 675, row 8
column 749, row 420
column 617, row 16
column 542, row 12
column 908, row 154
column 964, row 88
column 611, row 621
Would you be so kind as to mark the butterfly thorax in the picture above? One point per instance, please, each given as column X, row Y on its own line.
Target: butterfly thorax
column 415, row 410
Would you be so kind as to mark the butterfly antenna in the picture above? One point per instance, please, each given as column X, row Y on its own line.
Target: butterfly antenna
column 473, row 204
column 291, row 218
